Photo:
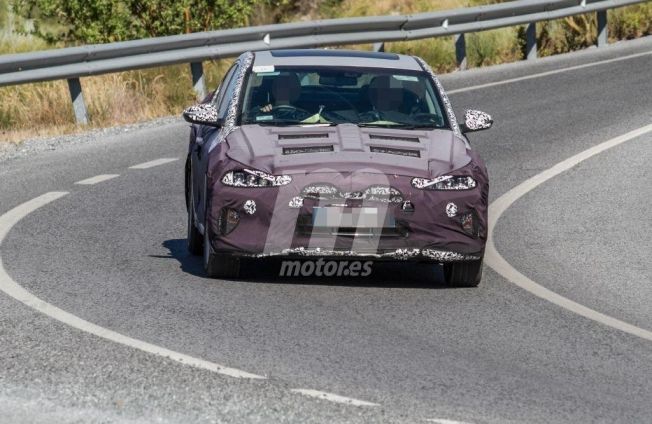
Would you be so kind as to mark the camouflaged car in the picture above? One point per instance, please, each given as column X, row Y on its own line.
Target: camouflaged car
column 339, row 154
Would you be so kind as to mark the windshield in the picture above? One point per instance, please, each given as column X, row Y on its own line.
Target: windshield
column 331, row 96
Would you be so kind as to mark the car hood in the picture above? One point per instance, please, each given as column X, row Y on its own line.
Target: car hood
column 346, row 147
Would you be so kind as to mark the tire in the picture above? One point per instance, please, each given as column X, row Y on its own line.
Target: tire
column 463, row 274
column 195, row 241
column 219, row 265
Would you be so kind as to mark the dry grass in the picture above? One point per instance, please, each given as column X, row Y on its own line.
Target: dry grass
column 11, row 43
column 44, row 109
column 630, row 22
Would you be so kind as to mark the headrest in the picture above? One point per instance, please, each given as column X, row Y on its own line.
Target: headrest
column 286, row 88
column 382, row 96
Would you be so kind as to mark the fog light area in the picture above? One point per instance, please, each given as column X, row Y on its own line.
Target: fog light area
column 228, row 220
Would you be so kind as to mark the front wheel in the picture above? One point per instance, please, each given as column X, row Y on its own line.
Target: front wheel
column 463, row 274
column 219, row 265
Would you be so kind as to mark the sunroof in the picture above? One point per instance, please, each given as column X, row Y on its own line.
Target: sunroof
column 334, row 53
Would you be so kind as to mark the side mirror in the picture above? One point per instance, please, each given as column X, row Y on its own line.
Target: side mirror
column 475, row 120
column 202, row 114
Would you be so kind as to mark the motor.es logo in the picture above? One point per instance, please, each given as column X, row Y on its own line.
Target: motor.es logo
column 325, row 268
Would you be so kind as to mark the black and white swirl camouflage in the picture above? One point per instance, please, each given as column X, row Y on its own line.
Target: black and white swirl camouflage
column 204, row 112
column 447, row 256
column 250, row 207
column 296, row 202
column 276, row 180
column 398, row 254
column 477, row 120
column 273, row 180
column 232, row 113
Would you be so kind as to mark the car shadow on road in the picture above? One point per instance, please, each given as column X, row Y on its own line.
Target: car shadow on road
column 178, row 250
column 267, row 270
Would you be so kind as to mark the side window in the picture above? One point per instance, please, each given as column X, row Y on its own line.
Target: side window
column 222, row 87
column 215, row 95
column 227, row 92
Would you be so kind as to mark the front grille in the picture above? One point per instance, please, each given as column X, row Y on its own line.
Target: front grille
column 374, row 193
column 353, row 232
column 305, row 227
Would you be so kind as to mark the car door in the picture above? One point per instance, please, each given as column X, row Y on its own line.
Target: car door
column 199, row 154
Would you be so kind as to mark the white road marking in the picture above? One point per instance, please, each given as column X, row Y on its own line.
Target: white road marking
column 13, row 289
column 444, row 421
column 500, row 265
column 97, row 179
column 153, row 163
column 543, row 74
column 333, row 398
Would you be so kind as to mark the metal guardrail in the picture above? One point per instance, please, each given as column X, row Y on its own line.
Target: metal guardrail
column 75, row 62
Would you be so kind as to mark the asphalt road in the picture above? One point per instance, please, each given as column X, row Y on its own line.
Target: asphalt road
column 113, row 253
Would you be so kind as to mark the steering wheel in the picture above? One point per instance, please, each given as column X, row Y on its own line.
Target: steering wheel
column 370, row 116
column 339, row 116
column 290, row 112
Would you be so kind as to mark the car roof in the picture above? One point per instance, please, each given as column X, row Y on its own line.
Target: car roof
column 339, row 58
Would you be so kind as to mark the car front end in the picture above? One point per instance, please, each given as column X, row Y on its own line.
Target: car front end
column 336, row 202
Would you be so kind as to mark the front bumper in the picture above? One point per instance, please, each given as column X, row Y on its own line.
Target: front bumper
column 277, row 224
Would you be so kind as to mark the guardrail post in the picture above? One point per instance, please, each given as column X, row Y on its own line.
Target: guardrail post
column 379, row 47
column 531, row 41
column 78, row 104
column 460, row 51
column 198, row 82
column 602, row 28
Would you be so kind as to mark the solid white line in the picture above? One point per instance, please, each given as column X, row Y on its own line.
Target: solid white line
column 500, row 265
column 13, row 289
column 444, row 421
column 153, row 163
column 543, row 74
column 333, row 398
column 97, row 179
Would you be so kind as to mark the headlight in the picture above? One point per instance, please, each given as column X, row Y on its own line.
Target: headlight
column 445, row 182
column 253, row 178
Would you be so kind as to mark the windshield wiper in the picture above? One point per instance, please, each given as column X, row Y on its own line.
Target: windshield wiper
column 398, row 125
column 289, row 123
column 376, row 124
column 275, row 122
column 417, row 127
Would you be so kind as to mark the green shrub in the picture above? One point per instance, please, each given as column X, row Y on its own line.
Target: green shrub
column 102, row 21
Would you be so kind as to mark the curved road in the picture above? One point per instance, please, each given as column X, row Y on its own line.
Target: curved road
column 112, row 252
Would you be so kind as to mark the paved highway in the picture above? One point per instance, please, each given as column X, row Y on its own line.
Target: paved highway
column 101, row 305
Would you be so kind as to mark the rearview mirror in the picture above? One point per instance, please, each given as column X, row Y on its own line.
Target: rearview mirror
column 475, row 120
column 202, row 114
